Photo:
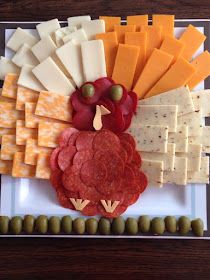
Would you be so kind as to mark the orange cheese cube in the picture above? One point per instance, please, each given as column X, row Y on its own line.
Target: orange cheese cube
column 125, row 65
column 43, row 166
column 192, row 39
column 6, row 167
column 156, row 66
column 202, row 65
column 138, row 20
column 20, row 169
column 10, row 86
column 110, row 48
column 6, row 131
column 121, row 30
column 9, row 147
column 23, row 133
column 167, row 23
column 25, row 95
column 110, row 22
column 8, row 115
column 138, row 39
column 172, row 46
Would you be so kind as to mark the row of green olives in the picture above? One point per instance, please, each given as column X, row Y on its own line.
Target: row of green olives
column 118, row 226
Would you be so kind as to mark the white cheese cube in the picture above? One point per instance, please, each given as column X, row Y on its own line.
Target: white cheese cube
column 52, row 78
column 93, row 27
column 44, row 48
column 78, row 20
column 7, row 66
column 79, row 36
column 93, row 59
column 24, row 56
column 47, row 27
column 19, row 37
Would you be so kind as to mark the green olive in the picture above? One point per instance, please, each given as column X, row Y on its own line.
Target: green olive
column 184, row 225
column 79, row 225
column 54, row 225
column 157, row 226
column 104, row 226
column 88, row 90
column 197, row 227
column 28, row 224
column 116, row 92
column 41, row 224
column 171, row 224
column 4, row 224
column 118, row 225
column 144, row 224
column 131, row 226
column 16, row 225
column 91, row 225
column 66, row 224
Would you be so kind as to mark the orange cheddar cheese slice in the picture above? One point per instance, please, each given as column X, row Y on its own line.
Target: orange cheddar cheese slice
column 110, row 48
column 43, row 166
column 9, row 115
column 125, row 65
column 6, row 99
column 110, row 22
column 121, row 30
column 172, row 46
column 202, row 65
column 48, row 133
column 6, row 131
column 9, row 147
column 6, row 167
column 54, row 106
column 20, row 169
column 177, row 76
column 167, row 23
column 25, row 95
column 155, row 68
column 138, row 20
column 9, row 88
column 23, row 133
column 32, row 150
column 192, row 39
column 138, row 39
column 154, row 38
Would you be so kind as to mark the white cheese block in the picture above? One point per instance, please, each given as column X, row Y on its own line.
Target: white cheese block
column 19, row 37
column 7, row 66
column 28, row 80
column 179, row 138
column 60, row 65
column 71, row 58
column 48, row 27
column 179, row 175
column 93, row 27
column 203, row 139
column 68, row 29
column 61, row 33
column 52, row 78
column 44, row 48
column 193, row 121
column 24, row 56
column 79, row 36
column 201, row 100
column 154, row 172
column 77, row 20
column 93, row 59
column 201, row 176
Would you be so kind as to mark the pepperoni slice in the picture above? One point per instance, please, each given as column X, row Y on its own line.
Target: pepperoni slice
column 114, row 122
column 134, row 97
column 65, row 157
column 84, row 140
column 130, row 199
column 76, row 103
column 143, row 181
column 137, row 158
column 73, row 138
column 129, row 150
column 54, row 159
column 63, row 199
column 103, row 85
column 97, row 95
column 83, row 120
column 120, row 209
column 128, row 138
column 55, row 178
column 128, row 179
column 63, row 139
column 81, row 157
column 71, row 180
column 106, row 140
column 90, row 210
column 123, row 154
column 91, row 194
column 107, row 188
column 127, row 120
column 108, row 104
column 127, row 106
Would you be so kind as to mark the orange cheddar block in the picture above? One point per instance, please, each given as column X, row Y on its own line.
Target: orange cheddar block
column 178, row 75
column 54, row 106
column 25, row 95
column 48, row 133
column 192, row 39
column 43, row 166
column 125, row 65
column 155, row 68
column 121, row 30
column 6, row 131
column 6, row 99
column 6, row 167
column 167, row 23
column 23, row 133
column 138, row 20
column 172, row 46
column 20, row 169
column 9, row 115
column 110, row 48
column 110, row 22
column 32, row 150
column 9, row 147
column 138, row 39
column 154, row 38
column 202, row 65
column 10, row 86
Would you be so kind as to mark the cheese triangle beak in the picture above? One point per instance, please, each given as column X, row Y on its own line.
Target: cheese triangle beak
column 100, row 111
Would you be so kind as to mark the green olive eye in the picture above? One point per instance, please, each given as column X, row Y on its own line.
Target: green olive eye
column 88, row 90
column 116, row 92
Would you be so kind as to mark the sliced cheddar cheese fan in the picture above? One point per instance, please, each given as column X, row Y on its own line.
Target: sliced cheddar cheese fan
column 138, row 20
column 172, row 46
column 166, row 21
column 121, row 29
column 110, row 22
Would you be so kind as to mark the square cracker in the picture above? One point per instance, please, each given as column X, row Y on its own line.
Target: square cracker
column 154, row 172
column 179, row 175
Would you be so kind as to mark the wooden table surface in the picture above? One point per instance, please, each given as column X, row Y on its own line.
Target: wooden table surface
column 132, row 258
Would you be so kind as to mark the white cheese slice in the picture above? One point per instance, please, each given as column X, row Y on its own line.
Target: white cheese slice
column 52, row 78
column 68, row 29
column 19, row 37
column 61, row 66
column 201, row 100
column 79, row 36
column 71, row 58
column 179, row 138
column 93, row 27
column 201, row 176
column 24, row 56
column 44, row 48
column 179, row 175
column 77, row 20
column 28, row 80
column 47, row 27
column 194, row 122
column 93, row 59
column 203, row 139
column 7, row 66
column 61, row 33
column 154, row 172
